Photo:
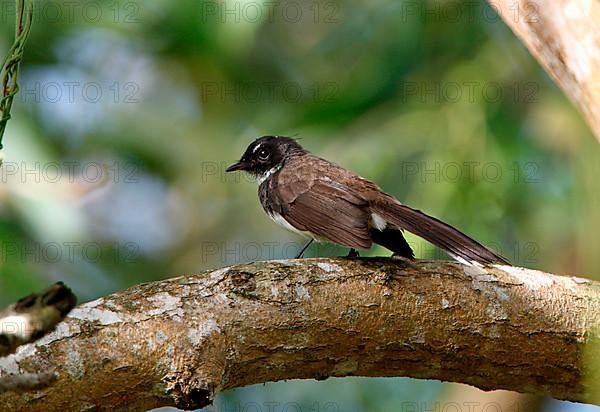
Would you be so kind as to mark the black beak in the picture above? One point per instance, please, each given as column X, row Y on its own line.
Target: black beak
column 237, row 166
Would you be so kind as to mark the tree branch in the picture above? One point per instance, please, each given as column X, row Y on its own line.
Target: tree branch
column 180, row 341
column 564, row 36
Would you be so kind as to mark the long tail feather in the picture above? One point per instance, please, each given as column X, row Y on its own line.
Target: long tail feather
column 452, row 240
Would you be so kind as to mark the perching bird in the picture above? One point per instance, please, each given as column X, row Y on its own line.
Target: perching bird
column 325, row 202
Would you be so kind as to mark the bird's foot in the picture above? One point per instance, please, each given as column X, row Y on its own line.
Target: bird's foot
column 400, row 256
column 353, row 253
column 408, row 261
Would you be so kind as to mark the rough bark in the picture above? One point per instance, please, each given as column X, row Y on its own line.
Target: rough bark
column 564, row 36
column 181, row 340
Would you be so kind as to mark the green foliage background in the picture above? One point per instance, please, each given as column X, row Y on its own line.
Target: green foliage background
column 438, row 102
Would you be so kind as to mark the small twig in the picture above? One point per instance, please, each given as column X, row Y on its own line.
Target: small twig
column 34, row 316
column 26, row 381
column 27, row 320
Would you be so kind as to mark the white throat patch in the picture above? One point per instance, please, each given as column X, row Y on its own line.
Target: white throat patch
column 261, row 178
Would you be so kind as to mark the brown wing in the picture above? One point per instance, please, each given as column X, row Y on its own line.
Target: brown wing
column 310, row 200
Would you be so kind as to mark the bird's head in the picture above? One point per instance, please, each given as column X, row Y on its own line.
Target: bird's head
column 267, row 154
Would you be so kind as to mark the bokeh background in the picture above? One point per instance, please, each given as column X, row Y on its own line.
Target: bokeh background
column 130, row 111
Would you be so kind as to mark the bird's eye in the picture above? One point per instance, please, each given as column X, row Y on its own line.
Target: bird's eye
column 263, row 154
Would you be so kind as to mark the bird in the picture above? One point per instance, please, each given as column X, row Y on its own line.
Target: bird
column 323, row 201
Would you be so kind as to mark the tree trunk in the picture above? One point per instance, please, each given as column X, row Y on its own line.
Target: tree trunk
column 564, row 36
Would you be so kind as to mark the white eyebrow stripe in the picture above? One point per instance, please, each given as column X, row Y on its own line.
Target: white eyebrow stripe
column 256, row 148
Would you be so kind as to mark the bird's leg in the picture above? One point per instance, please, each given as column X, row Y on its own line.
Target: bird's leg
column 301, row 254
column 353, row 253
